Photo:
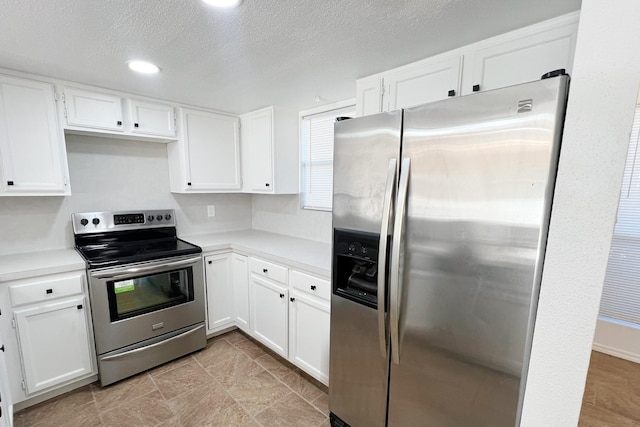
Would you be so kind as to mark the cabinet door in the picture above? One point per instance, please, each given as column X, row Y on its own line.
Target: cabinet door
column 219, row 278
column 240, row 273
column 520, row 60
column 213, row 151
column 269, row 313
column 5, row 408
column 309, row 335
column 257, row 132
column 152, row 119
column 369, row 96
column 31, row 144
column 423, row 83
column 93, row 110
column 54, row 342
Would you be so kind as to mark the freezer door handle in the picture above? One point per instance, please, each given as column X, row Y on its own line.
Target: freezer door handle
column 396, row 273
column 382, row 255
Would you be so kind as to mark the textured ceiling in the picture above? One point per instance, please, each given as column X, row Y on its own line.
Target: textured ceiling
column 282, row 52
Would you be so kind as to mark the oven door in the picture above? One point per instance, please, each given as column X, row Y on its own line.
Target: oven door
column 136, row 302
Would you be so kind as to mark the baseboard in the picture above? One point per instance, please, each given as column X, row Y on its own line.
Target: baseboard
column 616, row 338
column 617, row 352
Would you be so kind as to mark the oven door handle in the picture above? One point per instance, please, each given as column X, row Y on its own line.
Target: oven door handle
column 137, row 271
column 148, row 347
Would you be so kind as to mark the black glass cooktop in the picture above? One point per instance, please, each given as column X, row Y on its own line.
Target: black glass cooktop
column 126, row 247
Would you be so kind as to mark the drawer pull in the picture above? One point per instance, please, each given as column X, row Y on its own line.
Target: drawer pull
column 281, row 295
column 264, row 270
column 292, row 299
column 313, row 287
column 49, row 291
column 2, row 348
column 79, row 306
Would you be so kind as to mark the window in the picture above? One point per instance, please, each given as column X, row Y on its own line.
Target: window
column 621, row 292
column 316, row 133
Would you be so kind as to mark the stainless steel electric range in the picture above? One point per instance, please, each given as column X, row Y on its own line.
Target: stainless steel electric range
column 146, row 289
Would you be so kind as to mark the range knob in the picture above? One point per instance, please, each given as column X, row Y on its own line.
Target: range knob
column 151, row 217
column 95, row 221
column 167, row 217
column 84, row 221
column 159, row 217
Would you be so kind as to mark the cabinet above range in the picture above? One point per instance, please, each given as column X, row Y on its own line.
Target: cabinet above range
column 110, row 114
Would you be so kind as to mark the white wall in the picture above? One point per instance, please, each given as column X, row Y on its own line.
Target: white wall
column 110, row 174
column 604, row 87
column 282, row 214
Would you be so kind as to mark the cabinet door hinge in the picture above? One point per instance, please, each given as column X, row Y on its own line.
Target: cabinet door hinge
column 24, row 386
column 64, row 101
column 55, row 96
column 382, row 87
column 13, row 323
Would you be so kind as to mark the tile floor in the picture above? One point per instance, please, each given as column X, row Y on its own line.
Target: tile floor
column 612, row 393
column 232, row 382
column 236, row 382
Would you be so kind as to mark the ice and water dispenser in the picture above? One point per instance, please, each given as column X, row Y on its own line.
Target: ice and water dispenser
column 355, row 266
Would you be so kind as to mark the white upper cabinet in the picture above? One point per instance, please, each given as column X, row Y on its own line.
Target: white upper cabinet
column 427, row 82
column 152, row 118
column 369, row 96
column 32, row 149
column 206, row 158
column 270, row 151
column 93, row 110
column 517, row 57
column 521, row 56
column 117, row 116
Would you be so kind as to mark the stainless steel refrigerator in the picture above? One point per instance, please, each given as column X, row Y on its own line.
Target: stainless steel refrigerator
column 440, row 217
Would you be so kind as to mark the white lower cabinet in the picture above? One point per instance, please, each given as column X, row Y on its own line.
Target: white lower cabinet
column 6, row 409
column 55, row 343
column 309, row 320
column 285, row 309
column 240, row 273
column 47, row 333
column 219, row 289
column 269, row 313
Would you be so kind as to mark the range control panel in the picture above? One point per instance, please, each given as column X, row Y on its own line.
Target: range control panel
column 101, row 222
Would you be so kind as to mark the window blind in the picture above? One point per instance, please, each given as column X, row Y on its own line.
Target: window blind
column 621, row 292
column 317, row 157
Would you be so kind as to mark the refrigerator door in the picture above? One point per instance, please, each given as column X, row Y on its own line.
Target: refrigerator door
column 362, row 149
column 478, row 200
column 365, row 166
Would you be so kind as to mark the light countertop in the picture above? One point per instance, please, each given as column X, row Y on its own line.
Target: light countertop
column 308, row 255
column 32, row 264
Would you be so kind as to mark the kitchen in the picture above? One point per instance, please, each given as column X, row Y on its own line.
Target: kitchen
column 44, row 223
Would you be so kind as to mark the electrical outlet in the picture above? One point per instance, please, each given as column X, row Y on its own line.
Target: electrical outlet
column 211, row 210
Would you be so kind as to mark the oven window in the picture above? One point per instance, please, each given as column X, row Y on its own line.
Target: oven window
column 140, row 295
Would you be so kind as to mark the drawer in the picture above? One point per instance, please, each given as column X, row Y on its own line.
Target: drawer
column 46, row 288
column 310, row 284
column 267, row 269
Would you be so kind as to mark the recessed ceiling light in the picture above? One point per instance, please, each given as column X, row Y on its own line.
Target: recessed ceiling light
column 143, row 67
column 223, row 3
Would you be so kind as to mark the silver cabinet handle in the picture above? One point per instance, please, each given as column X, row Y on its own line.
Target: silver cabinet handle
column 149, row 347
column 396, row 273
column 137, row 271
column 382, row 255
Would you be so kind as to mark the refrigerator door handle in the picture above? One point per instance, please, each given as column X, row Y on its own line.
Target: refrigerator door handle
column 396, row 273
column 382, row 255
